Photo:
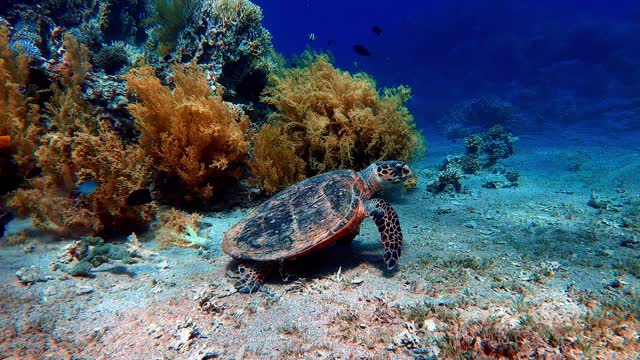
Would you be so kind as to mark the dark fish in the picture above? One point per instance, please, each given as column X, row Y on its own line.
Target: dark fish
column 139, row 197
column 85, row 188
column 329, row 42
column 377, row 30
column 361, row 50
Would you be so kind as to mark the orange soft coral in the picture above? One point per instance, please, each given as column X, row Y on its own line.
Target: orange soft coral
column 68, row 160
column 174, row 227
column 189, row 133
column 78, row 146
column 327, row 119
column 276, row 166
column 19, row 118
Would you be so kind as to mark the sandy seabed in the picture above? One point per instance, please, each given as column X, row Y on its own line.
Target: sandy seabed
column 528, row 272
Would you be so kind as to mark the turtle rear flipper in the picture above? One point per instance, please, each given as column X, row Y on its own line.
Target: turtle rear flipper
column 252, row 275
column 388, row 224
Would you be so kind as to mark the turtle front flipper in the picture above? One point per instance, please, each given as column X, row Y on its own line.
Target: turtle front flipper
column 388, row 224
column 252, row 275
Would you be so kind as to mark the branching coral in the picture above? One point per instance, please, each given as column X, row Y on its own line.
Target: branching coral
column 327, row 119
column 189, row 133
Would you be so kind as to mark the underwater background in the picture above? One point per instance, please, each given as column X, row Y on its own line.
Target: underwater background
column 134, row 136
column 544, row 56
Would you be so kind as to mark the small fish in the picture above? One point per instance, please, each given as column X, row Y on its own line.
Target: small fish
column 377, row 30
column 329, row 42
column 312, row 37
column 85, row 188
column 5, row 141
column 139, row 197
column 361, row 50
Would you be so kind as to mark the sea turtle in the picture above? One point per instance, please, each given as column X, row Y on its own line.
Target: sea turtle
column 312, row 214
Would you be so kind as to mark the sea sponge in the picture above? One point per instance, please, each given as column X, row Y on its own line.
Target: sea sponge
column 328, row 119
column 189, row 133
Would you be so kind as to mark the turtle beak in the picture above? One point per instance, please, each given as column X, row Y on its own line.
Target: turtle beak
column 402, row 170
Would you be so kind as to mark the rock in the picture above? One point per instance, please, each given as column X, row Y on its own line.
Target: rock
column 83, row 290
column 29, row 275
column 154, row 330
column 430, row 325
column 207, row 354
column 470, row 225
column 50, row 291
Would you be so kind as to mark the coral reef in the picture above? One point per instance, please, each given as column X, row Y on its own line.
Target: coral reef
column 482, row 152
column 476, row 115
column 111, row 58
column 68, row 160
column 190, row 134
column 19, row 117
column 327, row 119
column 170, row 18
column 78, row 146
column 487, row 148
column 275, row 167
column 448, row 177
column 79, row 257
column 227, row 39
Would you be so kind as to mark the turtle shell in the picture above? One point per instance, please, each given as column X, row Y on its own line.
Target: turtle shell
column 302, row 218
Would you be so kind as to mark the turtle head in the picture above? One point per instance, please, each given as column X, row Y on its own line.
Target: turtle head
column 392, row 172
column 383, row 174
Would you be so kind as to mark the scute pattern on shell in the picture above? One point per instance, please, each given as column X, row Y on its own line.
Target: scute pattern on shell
column 298, row 219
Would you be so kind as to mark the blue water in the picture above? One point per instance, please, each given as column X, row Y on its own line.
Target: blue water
column 530, row 52
column 524, row 244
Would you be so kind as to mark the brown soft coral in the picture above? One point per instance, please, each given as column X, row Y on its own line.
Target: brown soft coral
column 276, row 166
column 327, row 119
column 79, row 146
column 69, row 160
column 174, row 227
column 189, row 133
column 19, row 118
